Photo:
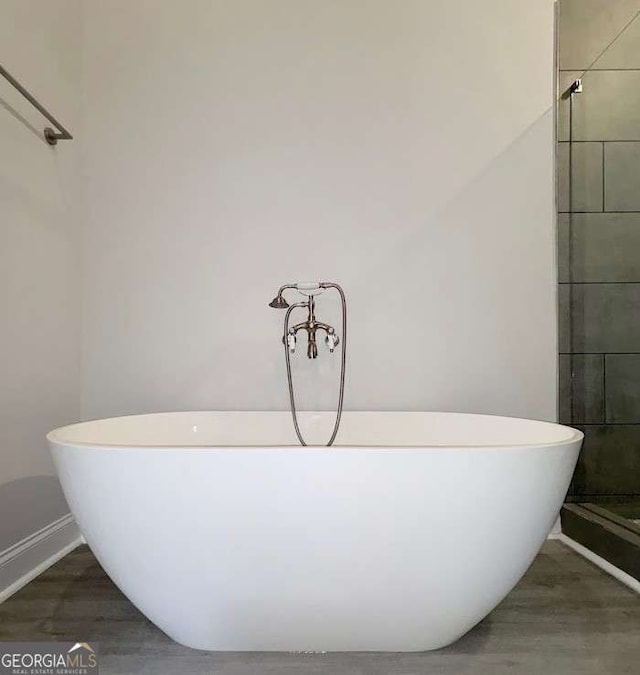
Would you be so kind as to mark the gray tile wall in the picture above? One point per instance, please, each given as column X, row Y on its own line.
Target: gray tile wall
column 621, row 162
column 609, row 461
column 587, row 27
column 604, row 247
column 623, row 390
column 605, row 318
column 607, row 109
column 582, row 393
column 599, row 241
column 584, row 163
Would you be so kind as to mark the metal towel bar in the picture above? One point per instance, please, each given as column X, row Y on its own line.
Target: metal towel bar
column 50, row 135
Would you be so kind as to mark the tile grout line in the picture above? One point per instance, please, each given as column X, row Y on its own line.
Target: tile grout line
column 609, row 424
column 601, row 140
column 604, row 387
column 603, row 185
column 601, row 353
column 599, row 283
column 578, row 71
column 597, row 212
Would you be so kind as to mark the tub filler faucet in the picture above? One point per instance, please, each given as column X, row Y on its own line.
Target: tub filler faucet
column 311, row 326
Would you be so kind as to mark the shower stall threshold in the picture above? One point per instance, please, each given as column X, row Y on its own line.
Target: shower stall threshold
column 612, row 537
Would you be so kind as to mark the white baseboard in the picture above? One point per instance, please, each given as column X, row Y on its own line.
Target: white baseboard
column 24, row 561
column 556, row 529
column 603, row 564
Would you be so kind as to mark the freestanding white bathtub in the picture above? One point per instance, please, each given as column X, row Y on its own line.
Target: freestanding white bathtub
column 230, row 536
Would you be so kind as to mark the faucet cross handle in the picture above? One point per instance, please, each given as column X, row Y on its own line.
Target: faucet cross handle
column 291, row 341
column 332, row 340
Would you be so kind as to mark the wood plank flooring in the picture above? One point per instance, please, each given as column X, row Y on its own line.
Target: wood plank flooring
column 565, row 617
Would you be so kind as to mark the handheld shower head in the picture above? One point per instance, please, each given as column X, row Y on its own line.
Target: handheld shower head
column 279, row 302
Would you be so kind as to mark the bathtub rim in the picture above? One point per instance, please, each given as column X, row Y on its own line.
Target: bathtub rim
column 54, row 437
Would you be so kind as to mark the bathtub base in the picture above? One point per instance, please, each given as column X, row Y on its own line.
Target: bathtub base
column 395, row 647
column 401, row 639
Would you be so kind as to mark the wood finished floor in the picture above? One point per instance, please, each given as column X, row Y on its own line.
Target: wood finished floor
column 565, row 617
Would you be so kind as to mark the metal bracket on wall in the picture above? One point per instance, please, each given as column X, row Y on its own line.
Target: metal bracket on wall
column 52, row 136
column 575, row 87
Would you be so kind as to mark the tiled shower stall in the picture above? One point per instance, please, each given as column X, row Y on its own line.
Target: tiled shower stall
column 599, row 252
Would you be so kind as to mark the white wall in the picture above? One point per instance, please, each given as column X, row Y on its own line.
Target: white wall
column 39, row 260
column 403, row 149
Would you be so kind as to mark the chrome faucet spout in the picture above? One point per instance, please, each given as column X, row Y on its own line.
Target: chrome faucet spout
column 312, row 350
